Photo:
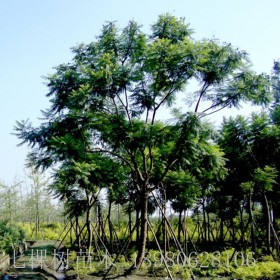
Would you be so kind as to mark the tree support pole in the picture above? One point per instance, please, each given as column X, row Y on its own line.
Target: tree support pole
column 162, row 256
column 172, row 232
column 120, row 252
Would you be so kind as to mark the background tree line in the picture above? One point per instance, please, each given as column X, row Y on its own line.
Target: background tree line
column 27, row 203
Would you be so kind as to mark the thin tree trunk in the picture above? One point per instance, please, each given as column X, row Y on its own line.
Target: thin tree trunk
column 185, row 233
column 110, row 226
column 71, row 234
column 222, row 231
column 143, row 229
column 77, row 233
column 204, row 223
column 233, row 231
column 241, row 225
column 209, row 230
column 137, row 225
column 164, row 230
column 251, row 222
column 89, row 230
column 99, row 219
column 198, row 226
column 179, row 225
column 129, row 220
column 267, row 218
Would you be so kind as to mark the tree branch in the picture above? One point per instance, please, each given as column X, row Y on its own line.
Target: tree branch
column 167, row 168
column 203, row 90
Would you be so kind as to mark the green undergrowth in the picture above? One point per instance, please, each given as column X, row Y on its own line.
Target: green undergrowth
column 47, row 231
column 225, row 264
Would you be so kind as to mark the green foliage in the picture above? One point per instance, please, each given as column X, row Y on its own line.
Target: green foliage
column 48, row 231
column 276, row 87
column 103, row 129
column 11, row 235
column 261, row 270
column 265, row 178
column 114, row 81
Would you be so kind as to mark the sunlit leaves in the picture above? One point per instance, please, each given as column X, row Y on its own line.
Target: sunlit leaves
column 265, row 178
column 226, row 80
column 171, row 28
column 245, row 87
column 218, row 63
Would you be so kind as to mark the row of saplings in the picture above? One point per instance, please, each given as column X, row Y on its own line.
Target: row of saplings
column 194, row 255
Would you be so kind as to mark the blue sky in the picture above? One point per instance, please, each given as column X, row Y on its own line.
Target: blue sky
column 37, row 35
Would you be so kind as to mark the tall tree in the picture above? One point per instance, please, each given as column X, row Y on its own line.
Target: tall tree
column 35, row 197
column 9, row 201
column 107, row 102
column 251, row 146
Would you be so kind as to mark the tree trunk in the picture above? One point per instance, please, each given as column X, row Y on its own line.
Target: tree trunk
column 137, row 217
column 185, row 233
column 71, row 234
column 164, row 230
column 204, row 223
column 129, row 220
column 110, row 226
column 99, row 219
column 143, row 230
column 77, row 232
column 209, row 228
column 89, row 230
column 251, row 222
column 241, row 225
column 179, row 226
column 198, row 227
column 37, row 219
column 267, row 222
column 221, row 238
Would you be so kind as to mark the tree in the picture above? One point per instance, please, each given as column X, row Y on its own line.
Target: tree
column 37, row 198
column 78, row 183
column 8, row 201
column 11, row 235
column 264, row 180
column 251, row 147
column 106, row 103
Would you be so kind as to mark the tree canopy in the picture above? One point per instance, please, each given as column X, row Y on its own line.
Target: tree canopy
column 104, row 127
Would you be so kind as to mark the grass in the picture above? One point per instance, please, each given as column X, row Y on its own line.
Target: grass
column 214, row 264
